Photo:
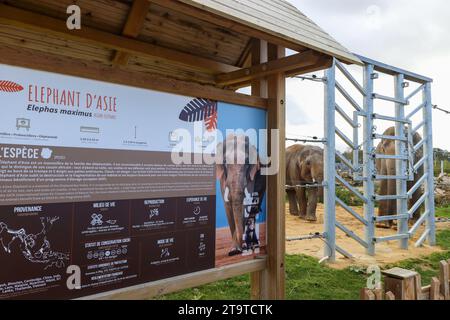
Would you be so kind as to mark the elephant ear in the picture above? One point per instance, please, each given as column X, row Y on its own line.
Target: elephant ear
column 253, row 157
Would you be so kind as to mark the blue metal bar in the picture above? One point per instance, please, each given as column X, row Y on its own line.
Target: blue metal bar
column 385, row 68
column 422, row 238
column 389, row 99
column 330, row 163
column 348, row 96
column 429, row 164
column 391, row 218
column 346, row 116
column 351, row 234
column 387, row 118
column 418, row 223
column 400, row 167
column 392, row 238
column 352, row 189
column 351, row 211
column 412, row 94
column 350, row 78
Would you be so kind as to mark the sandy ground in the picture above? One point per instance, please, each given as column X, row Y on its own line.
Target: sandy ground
column 224, row 244
column 387, row 252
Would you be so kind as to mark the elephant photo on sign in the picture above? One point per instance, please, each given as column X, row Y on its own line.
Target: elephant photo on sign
column 304, row 166
column 242, row 187
column 387, row 167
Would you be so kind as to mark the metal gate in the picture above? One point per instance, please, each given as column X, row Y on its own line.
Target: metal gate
column 364, row 169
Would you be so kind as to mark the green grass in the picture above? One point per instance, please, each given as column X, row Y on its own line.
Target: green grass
column 443, row 212
column 307, row 280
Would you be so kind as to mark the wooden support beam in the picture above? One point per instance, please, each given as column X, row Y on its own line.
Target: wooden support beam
column 204, row 15
column 162, row 287
column 300, row 60
column 84, row 69
column 323, row 63
column 41, row 23
column 258, row 54
column 444, row 279
column 275, row 278
column 133, row 26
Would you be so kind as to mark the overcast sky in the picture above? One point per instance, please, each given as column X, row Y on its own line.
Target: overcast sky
column 411, row 34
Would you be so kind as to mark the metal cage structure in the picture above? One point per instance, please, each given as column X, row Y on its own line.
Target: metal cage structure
column 364, row 170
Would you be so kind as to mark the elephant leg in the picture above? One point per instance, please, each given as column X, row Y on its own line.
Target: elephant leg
column 383, row 209
column 238, row 210
column 392, row 204
column 293, row 207
column 231, row 224
column 302, row 202
column 416, row 196
column 312, row 205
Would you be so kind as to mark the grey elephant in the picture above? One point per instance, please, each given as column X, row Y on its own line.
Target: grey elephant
column 243, row 187
column 387, row 167
column 304, row 165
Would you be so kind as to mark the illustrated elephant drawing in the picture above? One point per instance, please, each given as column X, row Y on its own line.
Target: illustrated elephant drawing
column 304, row 165
column 387, row 167
column 243, row 188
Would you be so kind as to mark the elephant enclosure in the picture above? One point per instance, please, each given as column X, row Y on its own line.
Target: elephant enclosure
column 387, row 252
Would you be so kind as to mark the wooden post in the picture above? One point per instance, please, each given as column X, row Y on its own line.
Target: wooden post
column 274, row 278
column 435, row 289
column 444, row 279
column 259, row 89
column 390, row 296
column 401, row 282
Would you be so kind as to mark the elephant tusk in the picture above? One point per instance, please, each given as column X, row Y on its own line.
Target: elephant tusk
column 226, row 194
column 314, row 180
column 247, row 194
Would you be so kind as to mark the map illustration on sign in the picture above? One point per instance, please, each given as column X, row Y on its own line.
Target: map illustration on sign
column 36, row 248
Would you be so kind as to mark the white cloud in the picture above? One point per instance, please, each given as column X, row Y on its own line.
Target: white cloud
column 411, row 34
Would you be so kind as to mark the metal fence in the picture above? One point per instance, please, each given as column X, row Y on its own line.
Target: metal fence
column 365, row 171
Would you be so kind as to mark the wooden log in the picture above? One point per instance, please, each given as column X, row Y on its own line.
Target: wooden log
column 74, row 67
column 300, row 60
column 275, row 288
column 390, row 296
column 444, row 279
column 33, row 21
column 134, row 24
column 367, row 294
column 435, row 289
column 401, row 282
column 418, row 287
column 378, row 294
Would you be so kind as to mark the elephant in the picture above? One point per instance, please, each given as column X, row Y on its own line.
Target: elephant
column 387, row 167
column 304, row 165
column 242, row 185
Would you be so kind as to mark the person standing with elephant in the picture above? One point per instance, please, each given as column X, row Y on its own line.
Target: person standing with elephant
column 304, row 165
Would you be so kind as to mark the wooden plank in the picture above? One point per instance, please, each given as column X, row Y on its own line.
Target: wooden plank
column 435, row 290
column 444, row 279
column 295, row 34
column 162, row 287
column 296, row 61
column 32, row 21
column 275, row 288
column 418, row 286
column 134, row 25
column 84, row 69
column 378, row 294
column 258, row 280
column 198, row 13
column 390, row 296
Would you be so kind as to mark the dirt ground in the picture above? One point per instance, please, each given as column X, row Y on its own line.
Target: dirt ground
column 387, row 252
